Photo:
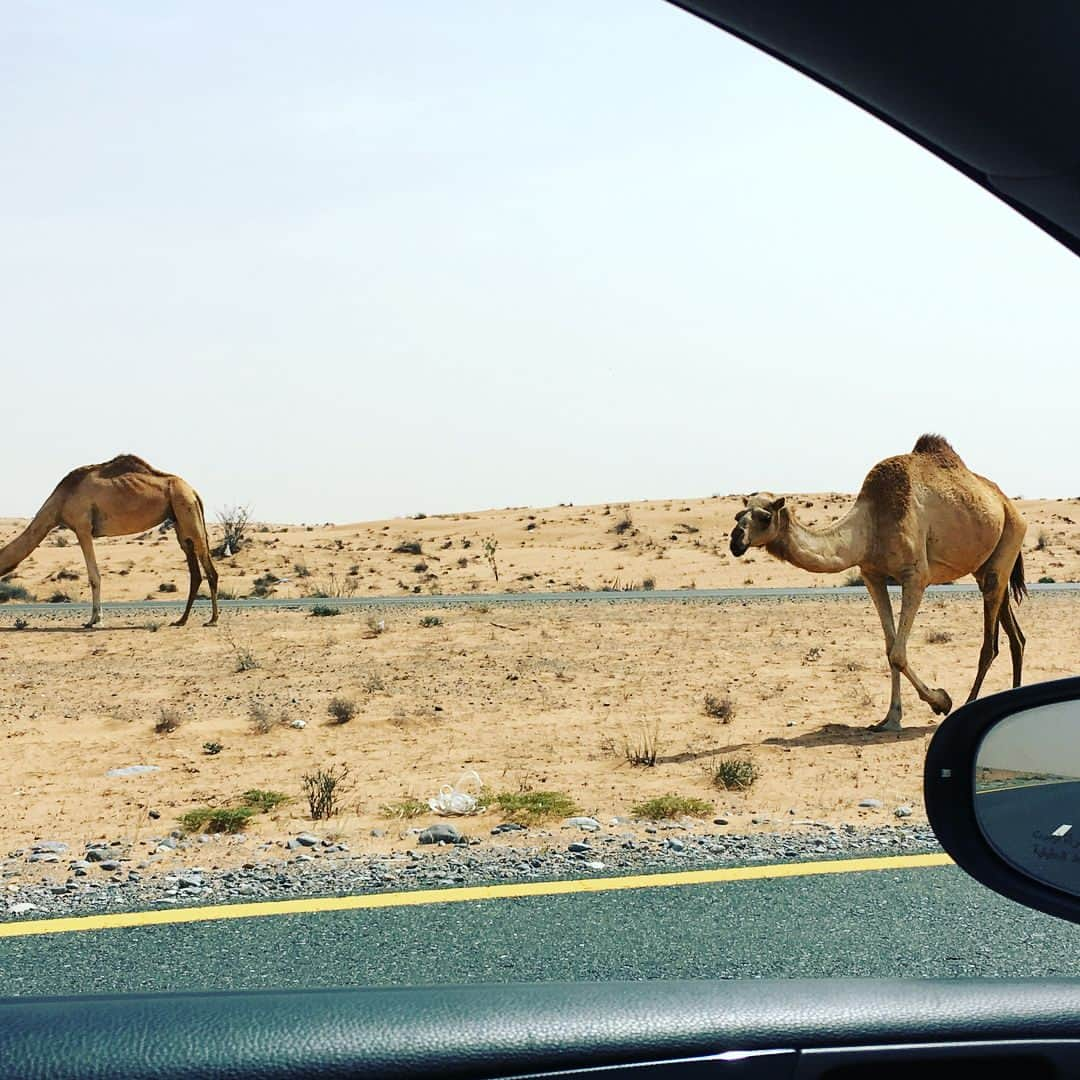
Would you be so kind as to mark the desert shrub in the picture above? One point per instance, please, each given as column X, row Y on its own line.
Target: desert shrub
column 404, row 809
column 1043, row 540
column 60, row 539
column 938, row 637
column 20, row 624
column 642, row 749
column 430, row 620
column 166, row 586
column 649, row 584
column 168, row 721
column 235, row 522
column 490, row 547
column 531, row 807
column 262, row 722
column 324, row 789
column 375, row 625
column 341, row 709
column 719, row 708
column 64, row 574
column 245, row 659
column 665, row 807
column 59, row 598
column 13, row 592
column 854, row 579
column 212, row 748
column 624, row 524
column 263, row 586
column 462, row 563
column 217, row 819
column 735, row 773
column 323, row 611
column 300, row 569
column 1046, row 580
column 264, row 801
column 332, row 587
column 409, row 547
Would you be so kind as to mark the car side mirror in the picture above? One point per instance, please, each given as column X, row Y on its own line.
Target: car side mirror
column 1002, row 790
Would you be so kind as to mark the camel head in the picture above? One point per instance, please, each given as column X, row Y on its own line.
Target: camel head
column 758, row 523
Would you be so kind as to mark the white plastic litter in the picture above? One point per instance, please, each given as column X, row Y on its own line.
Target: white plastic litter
column 133, row 770
column 298, row 724
column 227, row 553
column 454, row 800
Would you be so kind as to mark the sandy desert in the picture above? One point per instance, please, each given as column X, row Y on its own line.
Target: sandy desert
column 542, row 697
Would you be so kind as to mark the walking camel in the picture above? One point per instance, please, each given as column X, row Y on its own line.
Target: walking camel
column 118, row 498
column 921, row 519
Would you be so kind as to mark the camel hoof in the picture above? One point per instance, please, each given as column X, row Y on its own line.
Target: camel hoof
column 210, row 622
column 89, row 625
column 179, row 622
column 942, row 706
column 890, row 723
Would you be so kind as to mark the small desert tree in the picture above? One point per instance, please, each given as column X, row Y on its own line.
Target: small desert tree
column 490, row 545
column 234, row 521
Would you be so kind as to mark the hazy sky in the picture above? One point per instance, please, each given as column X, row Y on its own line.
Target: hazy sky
column 1042, row 739
column 350, row 260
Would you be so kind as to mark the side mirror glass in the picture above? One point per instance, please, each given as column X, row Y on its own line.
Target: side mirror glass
column 1027, row 792
column 1002, row 789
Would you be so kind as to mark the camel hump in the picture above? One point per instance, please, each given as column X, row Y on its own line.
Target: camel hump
column 121, row 465
column 938, row 447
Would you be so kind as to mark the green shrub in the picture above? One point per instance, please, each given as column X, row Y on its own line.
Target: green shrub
column 323, row 611
column 217, row 819
column 735, row 773
column 664, row 807
column 530, row 807
column 13, row 592
column 264, row 801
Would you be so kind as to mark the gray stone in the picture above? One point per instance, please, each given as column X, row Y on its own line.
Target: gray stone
column 578, row 847
column 307, row 839
column 190, row 880
column 673, row 844
column 57, row 847
column 441, row 833
column 719, row 820
column 108, row 865
column 43, row 856
column 168, row 842
column 587, row 823
column 96, row 854
column 378, row 834
column 870, row 804
column 903, row 811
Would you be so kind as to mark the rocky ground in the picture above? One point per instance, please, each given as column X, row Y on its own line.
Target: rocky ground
column 115, row 877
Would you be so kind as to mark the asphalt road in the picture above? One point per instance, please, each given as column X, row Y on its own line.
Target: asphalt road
column 164, row 607
column 1037, row 828
column 930, row 921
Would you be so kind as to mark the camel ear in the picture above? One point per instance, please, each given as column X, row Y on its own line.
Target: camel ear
column 745, row 500
column 777, row 504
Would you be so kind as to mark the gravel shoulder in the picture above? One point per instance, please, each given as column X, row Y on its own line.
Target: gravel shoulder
column 117, row 881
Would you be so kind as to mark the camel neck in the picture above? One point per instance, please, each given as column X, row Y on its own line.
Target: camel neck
column 820, row 551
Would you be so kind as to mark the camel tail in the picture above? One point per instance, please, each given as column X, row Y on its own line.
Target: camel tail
column 44, row 521
column 1016, row 579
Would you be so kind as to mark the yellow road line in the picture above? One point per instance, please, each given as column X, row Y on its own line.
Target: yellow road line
column 165, row 917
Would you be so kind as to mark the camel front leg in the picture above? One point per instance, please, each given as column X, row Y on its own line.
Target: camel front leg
column 86, row 542
column 911, row 597
column 879, row 593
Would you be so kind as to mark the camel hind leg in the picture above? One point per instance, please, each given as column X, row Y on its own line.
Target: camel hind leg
column 1008, row 620
column 191, row 532
column 993, row 580
column 195, row 579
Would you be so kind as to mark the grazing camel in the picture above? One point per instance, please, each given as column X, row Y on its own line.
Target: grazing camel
column 921, row 519
column 117, row 498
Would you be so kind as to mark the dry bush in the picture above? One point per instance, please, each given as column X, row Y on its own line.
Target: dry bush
column 168, row 721
column 324, row 789
column 643, row 749
column 719, row 708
